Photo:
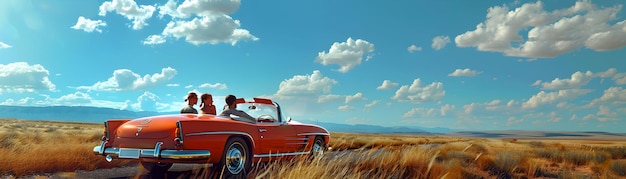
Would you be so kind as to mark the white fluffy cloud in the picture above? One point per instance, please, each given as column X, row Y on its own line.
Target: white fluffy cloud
column 613, row 96
column 577, row 80
column 169, row 8
column 346, row 54
column 613, row 37
column 416, row 93
column 413, row 48
column 302, row 94
column 127, row 80
column 313, row 84
column 551, row 33
column 440, row 42
column 345, row 108
column 129, row 9
column 4, row 45
column 75, row 99
column 606, row 74
column 469, row 108
column 445, row 109
column 210, row 23
column 211, row 29
column 542, row 97
column 620, row 78
column 606, row 114
column 429, row 112
column 147, row 102
column 328, row 98
column 356, row 97
column 153, row 40
column 372, row 104
column 423, row 112
column 463, row 72
column 387, row 84
column 22, row 77
column 72, row 99
column 484, row 107
column 513, row 121
column 203, row 7
column 220, row 86
column 27, row 101
column 89, row 25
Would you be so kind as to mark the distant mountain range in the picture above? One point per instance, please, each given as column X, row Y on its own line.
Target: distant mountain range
column 71, row 113
column 98, row 115
column 364, row 128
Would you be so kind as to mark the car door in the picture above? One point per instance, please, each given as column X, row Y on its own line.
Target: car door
column 277, row 139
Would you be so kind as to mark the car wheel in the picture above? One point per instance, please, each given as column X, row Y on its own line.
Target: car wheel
column 235, row 159
column 155, row 167
column 318, row 148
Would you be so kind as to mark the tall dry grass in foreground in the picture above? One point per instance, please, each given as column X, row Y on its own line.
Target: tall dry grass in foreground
column 407, row 156
column 37, row 147
column 34, row 147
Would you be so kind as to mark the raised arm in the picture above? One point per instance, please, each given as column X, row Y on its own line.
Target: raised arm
column 244, row 115
column 239, row 113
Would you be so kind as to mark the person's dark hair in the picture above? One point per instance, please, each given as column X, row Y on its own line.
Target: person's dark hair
column 190, row 95
column 204, row 97
column 230, row 99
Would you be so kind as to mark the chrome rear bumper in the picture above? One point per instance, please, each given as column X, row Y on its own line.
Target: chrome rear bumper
column 156, row 153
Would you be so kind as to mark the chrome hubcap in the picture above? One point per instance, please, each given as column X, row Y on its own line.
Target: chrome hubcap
column 235, row 158
column 317, row 148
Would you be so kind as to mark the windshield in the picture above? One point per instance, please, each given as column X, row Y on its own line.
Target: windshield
column 259, row 110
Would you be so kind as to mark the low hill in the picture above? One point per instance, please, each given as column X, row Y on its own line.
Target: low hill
column 70, row 113
column 97, row 115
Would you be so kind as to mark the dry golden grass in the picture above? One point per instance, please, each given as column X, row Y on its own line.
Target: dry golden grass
column 30, row 147
column 412, row 156
column 35, row 147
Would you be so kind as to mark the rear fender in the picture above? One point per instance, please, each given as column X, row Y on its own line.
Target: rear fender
column 110, row 129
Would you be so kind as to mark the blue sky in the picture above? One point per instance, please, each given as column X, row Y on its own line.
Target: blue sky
column 482, row 65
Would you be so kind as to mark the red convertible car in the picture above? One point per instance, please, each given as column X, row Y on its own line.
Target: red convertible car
column 224, row 141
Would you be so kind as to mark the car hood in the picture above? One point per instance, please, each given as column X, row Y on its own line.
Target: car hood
column 149, row 127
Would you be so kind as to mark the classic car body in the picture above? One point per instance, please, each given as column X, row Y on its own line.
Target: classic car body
column 227, row 141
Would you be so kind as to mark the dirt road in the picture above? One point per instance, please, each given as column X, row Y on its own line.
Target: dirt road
column 177, row 171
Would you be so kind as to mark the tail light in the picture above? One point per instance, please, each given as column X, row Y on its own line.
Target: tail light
column 179, row 134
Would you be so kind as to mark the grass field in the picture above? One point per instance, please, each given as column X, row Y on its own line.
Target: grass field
column 36, row 147
column 408, row 156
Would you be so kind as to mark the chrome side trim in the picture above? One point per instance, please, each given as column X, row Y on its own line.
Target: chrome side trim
column 219, row 132
column 313, row 133
column 280, row 154
column 298, row 139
